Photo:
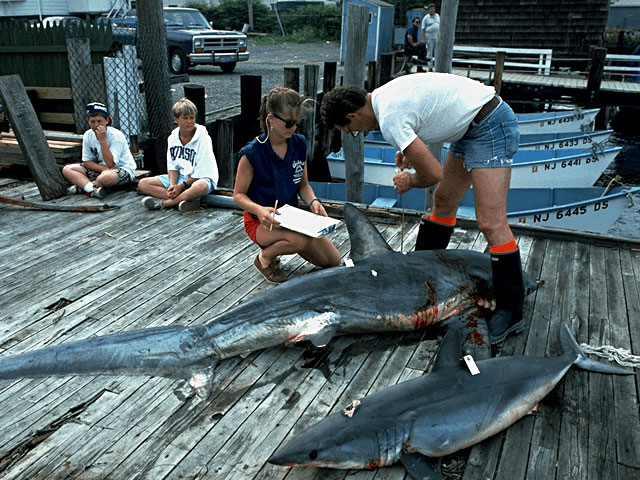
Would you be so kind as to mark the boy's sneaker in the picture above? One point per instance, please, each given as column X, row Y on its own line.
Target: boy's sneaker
column 151, row 203
column 186, row 206
column 72, row 190
column 99, row 192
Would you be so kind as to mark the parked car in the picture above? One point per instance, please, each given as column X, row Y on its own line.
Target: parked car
column 190, row 40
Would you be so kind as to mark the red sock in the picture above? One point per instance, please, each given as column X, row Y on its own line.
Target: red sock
column 447, row 221
column 508, row 247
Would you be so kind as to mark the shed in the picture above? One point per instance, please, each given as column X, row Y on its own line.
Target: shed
column 380, row 36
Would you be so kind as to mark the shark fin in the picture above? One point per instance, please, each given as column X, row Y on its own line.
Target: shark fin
column 449, row 354
column 323, row 337
column 474, row 334
column 420, row 467
column 570, row 346
column 365, row 238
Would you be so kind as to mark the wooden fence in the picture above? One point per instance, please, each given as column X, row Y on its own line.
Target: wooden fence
column 30, row 51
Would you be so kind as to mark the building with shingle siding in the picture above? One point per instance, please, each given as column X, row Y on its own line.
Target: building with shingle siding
column 569, row 27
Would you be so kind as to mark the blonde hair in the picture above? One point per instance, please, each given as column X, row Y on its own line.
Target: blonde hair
column 282, row 100
column 184, row 106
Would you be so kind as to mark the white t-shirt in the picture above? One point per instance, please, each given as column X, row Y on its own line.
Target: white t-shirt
column 196, row 158
column 91, row 151
column 435, row 107
column 431, row 25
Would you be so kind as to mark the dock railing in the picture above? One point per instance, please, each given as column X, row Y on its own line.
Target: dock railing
column 625, row 68
column 538, row 59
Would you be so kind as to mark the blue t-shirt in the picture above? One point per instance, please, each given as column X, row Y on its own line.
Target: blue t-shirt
column 413, row 31
column 275, row 178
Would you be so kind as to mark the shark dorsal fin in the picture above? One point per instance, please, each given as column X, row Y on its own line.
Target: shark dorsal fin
column 449, row 354
column 365, row 238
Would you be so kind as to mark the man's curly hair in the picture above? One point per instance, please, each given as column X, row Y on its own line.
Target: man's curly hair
column 340, row 102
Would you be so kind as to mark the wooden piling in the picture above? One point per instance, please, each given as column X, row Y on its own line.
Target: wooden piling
column 597, row 57
column 311, row 78
column 318, row 168
column 250, row 97
column 357, row 29
column 385, row 68
column 292, row 78
column 497, row 79
column 195, row 93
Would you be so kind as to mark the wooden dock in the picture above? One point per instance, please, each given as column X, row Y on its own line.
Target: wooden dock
column 68, row 276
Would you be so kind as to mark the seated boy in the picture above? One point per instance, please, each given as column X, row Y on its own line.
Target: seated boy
column 106, row 158
column 191, row 165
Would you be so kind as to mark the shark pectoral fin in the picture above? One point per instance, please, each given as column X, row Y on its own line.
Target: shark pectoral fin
column 199, row 382
column 421, row 467
column 323, row 337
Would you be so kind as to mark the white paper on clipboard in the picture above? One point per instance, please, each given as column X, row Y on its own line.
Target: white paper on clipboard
column 304, row 222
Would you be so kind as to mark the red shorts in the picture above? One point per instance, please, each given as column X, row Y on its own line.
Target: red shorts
column 250, row 226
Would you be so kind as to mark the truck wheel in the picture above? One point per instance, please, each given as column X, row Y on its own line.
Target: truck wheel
column 177, row 61
column 228, row 67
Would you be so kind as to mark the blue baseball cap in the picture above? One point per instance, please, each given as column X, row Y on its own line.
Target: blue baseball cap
column 97, row 108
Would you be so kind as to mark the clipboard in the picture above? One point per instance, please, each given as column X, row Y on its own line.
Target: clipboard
column 305, row 222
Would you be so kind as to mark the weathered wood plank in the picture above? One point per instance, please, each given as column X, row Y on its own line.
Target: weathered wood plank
column 25, row 125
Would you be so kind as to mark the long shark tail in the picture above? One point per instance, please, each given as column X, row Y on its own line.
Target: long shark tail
column 171, row 351
column 570, row 346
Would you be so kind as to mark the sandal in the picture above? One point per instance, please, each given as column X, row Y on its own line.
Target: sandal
column 271, row 273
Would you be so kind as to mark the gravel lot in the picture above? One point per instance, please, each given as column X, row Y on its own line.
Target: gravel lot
column 222, row 90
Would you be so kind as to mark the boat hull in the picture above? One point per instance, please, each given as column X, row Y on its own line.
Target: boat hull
column 551, row 168
column 557, row 122
column 582, row 209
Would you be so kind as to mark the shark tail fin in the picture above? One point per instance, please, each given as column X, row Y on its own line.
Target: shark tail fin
column 570, row 346
column 365, row 238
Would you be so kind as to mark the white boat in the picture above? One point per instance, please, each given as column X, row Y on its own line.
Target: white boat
column 531, row 168
column 563, row 141
column 569, row 121
column 592, row 209
column 539, row 141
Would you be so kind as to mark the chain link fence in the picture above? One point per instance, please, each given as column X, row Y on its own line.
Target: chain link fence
column 129, row 84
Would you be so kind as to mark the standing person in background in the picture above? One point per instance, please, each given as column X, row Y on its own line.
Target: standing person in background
column 106, row 158
column 272, row 171
column 191, row 165
column 412, row 45
column 415, row 110
column 430, row 29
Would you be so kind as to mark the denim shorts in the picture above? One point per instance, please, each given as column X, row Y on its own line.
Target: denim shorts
column 491, row 143
column 164, row 179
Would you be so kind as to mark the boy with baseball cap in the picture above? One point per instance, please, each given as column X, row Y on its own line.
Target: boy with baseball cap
column 106, row 158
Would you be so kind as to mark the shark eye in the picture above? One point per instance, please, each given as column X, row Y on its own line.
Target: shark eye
column 313, row 454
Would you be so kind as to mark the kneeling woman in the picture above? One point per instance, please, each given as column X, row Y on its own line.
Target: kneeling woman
column 272, row 167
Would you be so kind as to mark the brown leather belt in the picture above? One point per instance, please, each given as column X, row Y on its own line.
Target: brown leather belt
column 486, row 109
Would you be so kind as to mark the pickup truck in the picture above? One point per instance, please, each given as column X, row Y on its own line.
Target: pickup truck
column 190, row 40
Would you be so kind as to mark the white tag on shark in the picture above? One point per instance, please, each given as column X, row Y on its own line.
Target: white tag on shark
column 348, row 262
column 471, row 365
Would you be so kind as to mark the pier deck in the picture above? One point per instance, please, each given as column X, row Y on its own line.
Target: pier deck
column 68, row 276
column 554, row 86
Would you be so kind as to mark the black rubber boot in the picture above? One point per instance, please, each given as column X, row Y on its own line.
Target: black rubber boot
column 508, row 290
column 432, row 235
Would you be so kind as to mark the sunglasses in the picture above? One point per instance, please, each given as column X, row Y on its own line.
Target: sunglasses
column 287, row 123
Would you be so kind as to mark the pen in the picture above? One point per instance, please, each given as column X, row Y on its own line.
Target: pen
column 275, row 207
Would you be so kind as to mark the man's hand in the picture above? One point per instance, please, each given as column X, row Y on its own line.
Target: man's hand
column 402, row 162
column 402, row 182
